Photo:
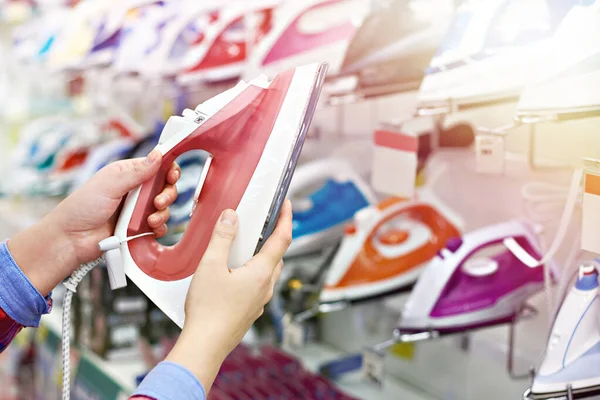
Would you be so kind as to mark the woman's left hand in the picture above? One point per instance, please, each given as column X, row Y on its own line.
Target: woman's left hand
column 69, row 235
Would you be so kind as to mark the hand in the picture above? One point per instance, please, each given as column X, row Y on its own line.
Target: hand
column 222, row 304
column 89, row 215
column 69, row 235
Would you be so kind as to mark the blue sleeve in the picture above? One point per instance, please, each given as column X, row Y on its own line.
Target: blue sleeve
column 19, row 299
column 170, row 381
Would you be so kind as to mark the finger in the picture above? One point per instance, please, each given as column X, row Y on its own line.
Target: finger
column 158, row 218
column 161, row 231
column 119, row 178
column 222, row 238
column 277, row 244
column 174, row 174
column 166, row 197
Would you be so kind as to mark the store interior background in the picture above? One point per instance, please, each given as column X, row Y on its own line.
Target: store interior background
column 462, row 367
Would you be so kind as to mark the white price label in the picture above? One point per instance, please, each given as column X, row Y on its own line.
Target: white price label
column 489, row 154
column 395, row 163
column 590, row 239
column 293, row 333
column 373, row 366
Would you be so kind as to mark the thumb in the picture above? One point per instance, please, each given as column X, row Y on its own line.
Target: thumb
column 222, row 238
column 121, row 177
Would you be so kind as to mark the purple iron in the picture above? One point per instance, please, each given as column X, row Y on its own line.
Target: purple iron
column 475, row 282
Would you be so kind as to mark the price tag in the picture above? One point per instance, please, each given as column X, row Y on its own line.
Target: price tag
column 590, row 239
column 395, row 163
column 403, row 350
column 293, row 333
column 373, row 367
column 489, row 154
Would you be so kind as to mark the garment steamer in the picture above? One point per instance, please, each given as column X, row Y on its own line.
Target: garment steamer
column 254, row 134
column 338, row 193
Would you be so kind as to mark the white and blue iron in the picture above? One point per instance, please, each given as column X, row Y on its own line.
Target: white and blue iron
column 491, row 51
column 571, row 365
column 159, row 44
column 568, row 89
column 120, row 19
column 335, row 193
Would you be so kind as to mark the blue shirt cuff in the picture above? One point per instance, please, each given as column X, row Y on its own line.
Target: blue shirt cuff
column 19, row 299
column 170, row 381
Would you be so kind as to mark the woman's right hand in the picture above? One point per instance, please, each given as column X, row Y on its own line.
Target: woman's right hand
column 222, row 304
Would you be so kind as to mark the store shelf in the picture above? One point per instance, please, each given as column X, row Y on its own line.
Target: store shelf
column 314, row 354
column 124, row 372
column 438, row 369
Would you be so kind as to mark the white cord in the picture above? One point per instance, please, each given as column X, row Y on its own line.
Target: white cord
column 71, row 285
column 552, row 198
column 543, row 202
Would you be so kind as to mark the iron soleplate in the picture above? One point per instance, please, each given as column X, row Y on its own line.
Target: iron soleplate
column 286, row 178
column 573, row 394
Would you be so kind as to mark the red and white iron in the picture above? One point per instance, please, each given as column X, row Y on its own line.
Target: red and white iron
column 254, row 134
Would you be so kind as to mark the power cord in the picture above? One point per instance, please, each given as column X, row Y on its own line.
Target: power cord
column 71, row 285
column 542, row 202
column 110, row 247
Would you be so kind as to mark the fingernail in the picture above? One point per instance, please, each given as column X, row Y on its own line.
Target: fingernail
column 154, row 219
column 162, row 199
column 152, row 157
column 229, row 217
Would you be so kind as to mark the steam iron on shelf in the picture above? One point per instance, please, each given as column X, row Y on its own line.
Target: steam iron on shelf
column 338, row 193
column 142, row 38
column 114, row 27
column 392, row 48
column 565, row 94
column 221, row 51
column 158, row 48
column 307, row 31
column 474, row 282
column 572, row 359
column 459, row 74
column 386, row 248
column 254, row 134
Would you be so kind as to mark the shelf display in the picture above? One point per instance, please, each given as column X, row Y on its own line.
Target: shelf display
column 425, row 145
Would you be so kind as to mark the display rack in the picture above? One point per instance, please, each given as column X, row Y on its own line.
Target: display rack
column 122, row 374
column 450, row 368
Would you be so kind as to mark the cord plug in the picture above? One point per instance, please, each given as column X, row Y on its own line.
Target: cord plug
column 111, row 247
column 114, row 262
